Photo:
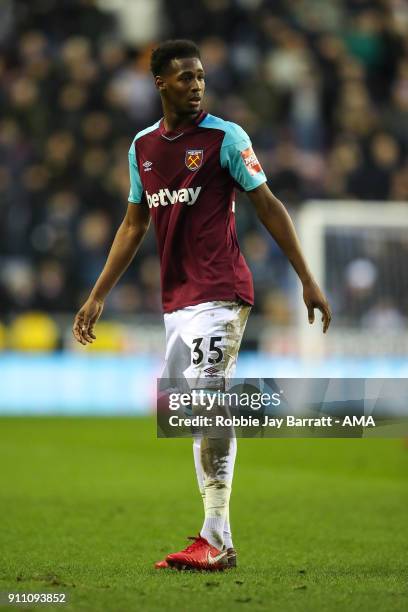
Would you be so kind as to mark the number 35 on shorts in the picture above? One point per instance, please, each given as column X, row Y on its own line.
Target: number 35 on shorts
column 207, row 350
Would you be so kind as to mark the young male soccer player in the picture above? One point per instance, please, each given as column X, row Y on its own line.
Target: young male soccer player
column 183, row 174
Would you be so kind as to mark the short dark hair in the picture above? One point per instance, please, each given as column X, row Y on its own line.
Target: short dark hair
column 169, row 50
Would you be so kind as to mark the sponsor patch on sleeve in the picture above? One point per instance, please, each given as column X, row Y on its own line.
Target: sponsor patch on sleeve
column 251, row 161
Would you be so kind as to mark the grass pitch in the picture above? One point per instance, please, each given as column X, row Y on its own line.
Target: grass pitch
column 88, row 505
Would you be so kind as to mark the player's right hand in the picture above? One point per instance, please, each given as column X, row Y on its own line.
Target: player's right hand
column 314, row 298
column 85, row 320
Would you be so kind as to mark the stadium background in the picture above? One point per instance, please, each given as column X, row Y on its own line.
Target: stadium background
column 322, row 89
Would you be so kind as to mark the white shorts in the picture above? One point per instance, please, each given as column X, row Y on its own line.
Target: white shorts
column 202, row 343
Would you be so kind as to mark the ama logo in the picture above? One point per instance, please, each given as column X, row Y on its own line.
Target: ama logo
column 164, row 197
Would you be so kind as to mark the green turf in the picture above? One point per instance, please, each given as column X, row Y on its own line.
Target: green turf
column 87, row 506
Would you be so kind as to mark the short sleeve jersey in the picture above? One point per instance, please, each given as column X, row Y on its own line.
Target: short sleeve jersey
column 188, row 180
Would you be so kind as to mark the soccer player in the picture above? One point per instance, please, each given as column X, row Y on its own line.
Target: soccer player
column 183, row 173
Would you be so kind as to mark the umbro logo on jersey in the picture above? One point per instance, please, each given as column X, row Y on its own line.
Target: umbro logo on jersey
column 165, row 196
column 147, row 166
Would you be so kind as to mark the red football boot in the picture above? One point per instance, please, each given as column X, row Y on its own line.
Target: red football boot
column 199, row 555
column 231, row 557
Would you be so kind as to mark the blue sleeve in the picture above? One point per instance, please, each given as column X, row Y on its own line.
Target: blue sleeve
column 136, row 187
column 239, row 158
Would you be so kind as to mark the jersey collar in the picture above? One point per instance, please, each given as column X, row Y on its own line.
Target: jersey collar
column 173, row 135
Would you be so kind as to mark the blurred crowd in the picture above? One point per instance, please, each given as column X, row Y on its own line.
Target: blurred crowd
column 321, row 87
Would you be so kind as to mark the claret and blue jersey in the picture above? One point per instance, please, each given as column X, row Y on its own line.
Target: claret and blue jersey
column 188, row 180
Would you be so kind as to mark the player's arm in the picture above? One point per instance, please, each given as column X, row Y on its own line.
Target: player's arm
column 274, row 216
column 124, row 247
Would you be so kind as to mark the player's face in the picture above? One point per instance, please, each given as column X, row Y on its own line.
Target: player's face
column 183, row 85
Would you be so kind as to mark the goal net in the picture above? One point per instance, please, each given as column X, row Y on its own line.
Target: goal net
column 359, row 255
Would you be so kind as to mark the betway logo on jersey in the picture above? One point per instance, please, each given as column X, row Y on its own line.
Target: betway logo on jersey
column 164, row 197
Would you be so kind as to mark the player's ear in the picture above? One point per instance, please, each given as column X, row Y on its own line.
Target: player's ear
column 160, row 83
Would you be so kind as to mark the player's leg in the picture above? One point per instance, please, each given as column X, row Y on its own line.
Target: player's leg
column 224, row 325
column 218, row 455
column 214, row 459
column 231, row 552
column 218, row 460
column 211, row 333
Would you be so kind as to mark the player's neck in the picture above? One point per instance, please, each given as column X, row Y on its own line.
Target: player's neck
column 173, row 121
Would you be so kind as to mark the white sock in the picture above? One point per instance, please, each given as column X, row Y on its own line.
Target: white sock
column 217, row 487
column 217, row 494
column 215, row 525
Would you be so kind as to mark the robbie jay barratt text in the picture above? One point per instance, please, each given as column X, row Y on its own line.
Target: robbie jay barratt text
column 267, row 421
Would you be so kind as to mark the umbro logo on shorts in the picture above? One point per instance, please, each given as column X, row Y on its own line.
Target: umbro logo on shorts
column 211, row 371
column 165, row 196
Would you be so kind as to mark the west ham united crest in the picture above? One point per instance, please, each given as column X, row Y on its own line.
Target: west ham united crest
column 194, row 159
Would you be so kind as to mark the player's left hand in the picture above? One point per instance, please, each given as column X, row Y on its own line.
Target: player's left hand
column 314, row 298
